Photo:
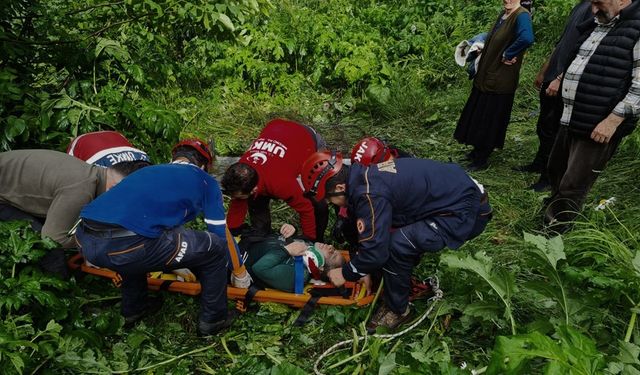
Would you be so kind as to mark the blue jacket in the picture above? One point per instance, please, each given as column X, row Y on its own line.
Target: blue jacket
column 402, row 192
column 162, row 197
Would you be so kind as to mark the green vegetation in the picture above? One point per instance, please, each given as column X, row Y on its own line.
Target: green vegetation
column 515, row 302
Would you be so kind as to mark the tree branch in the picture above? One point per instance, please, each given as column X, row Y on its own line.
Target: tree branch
column 96, row 33
column 93, row 7
column 58, row 42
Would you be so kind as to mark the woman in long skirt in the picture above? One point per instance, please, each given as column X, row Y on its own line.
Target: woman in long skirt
column 484, row 119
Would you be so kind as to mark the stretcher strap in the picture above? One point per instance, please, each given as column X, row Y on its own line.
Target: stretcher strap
column 299, row 275
column 306, row 311
column 316, row 294
column 248, row 297
column 328, row 292
column 166, row 284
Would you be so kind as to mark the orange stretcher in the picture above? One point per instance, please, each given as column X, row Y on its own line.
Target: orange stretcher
column 353, row 293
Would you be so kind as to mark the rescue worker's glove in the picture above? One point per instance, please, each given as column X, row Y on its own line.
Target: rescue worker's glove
column 185, row 274
column 241, row 281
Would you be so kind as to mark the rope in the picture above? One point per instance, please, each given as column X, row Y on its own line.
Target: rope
column 390, row 336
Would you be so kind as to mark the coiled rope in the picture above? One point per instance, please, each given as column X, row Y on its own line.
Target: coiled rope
column 437, row 296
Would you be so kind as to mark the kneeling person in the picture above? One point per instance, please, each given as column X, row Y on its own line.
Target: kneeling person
column 136, row 228
column 429, row 206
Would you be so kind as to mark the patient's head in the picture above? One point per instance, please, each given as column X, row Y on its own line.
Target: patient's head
column 332, row 258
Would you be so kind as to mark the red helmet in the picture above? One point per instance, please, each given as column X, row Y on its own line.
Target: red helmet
column 317, row 169
column 199, row 146
column 370, row 150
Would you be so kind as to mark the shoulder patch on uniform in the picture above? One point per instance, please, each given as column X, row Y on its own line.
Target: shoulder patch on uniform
column 360, row 225
column 387, row 166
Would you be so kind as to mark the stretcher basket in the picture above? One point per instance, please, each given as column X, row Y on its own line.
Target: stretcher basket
column 353, row 293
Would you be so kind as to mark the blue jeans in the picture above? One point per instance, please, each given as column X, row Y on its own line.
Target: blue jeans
column 134, row 256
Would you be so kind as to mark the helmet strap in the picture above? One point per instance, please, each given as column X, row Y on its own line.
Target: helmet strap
column 330, row 165
column 385, row 149
column 335, row 194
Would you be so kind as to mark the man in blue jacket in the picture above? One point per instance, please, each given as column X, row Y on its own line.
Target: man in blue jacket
column 137, row 227
column 403, row 208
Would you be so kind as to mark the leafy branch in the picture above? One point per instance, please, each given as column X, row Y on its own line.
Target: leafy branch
column 170, row 360
column 502, row 282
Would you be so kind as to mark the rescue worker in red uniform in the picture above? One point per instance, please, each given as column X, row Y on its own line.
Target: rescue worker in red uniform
column 105, row 148
column 430, row 205
column 270, row 169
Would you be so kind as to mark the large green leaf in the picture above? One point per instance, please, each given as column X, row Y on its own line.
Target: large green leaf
column 573, row 354
column 501, row 281
column 388, row 364
column 287, row 369
column 550, row 249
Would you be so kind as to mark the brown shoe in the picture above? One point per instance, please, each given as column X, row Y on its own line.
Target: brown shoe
column 386, row 318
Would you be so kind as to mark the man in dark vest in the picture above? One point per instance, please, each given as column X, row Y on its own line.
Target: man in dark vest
column 601, row 95
column 548, row 82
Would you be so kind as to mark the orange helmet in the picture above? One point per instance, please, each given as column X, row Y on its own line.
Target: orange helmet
column 370, row 150
column 197, row 145
column 317, row 169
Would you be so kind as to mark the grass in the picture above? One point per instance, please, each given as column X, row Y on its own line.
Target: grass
column 421, row 121
column 263, row 339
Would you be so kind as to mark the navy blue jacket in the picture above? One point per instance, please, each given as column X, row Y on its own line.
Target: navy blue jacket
column 402, row 192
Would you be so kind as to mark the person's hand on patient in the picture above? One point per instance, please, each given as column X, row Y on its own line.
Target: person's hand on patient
column 296, row 248
column 287, row 230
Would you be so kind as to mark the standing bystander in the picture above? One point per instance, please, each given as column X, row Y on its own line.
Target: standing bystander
column 601, row 95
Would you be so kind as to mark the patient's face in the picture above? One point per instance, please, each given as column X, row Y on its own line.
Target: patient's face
column 332, row 257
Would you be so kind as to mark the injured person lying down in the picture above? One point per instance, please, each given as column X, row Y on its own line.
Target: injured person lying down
column 271, row 260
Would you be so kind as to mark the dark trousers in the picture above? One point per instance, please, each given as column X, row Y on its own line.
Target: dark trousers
column 260, row 216
column 134, row 256
column 574, row 165
column 407, row 246
column 9, row 213
column 547, row 127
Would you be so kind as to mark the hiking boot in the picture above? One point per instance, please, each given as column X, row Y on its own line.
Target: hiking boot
column 210, row 329
column 470, row 156
column 540, row 186
column 153, row 305
column 556, row 228
column 386, row 318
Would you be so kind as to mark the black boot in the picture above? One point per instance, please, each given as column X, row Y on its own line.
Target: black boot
column 54, row 262
column 152, row 306
column 541, row 185
column 210, row 329
column 532, row 167
column 478, row 165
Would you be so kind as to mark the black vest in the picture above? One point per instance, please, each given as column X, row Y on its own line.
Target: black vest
column 607, row 77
